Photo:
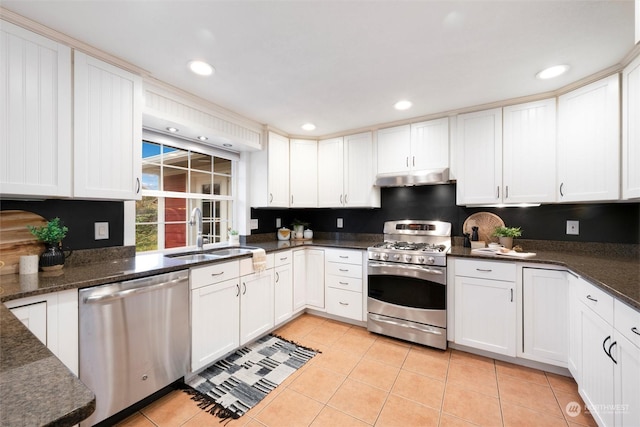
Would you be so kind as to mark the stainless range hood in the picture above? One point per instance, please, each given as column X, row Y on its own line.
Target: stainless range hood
column 423, row 177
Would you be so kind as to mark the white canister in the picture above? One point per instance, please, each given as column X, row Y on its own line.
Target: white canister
column 308, row 234
column 29, row 264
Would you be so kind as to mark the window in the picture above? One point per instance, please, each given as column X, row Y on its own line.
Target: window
column 176, row 178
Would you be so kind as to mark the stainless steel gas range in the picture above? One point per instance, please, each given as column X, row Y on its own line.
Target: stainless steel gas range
column 407, row 278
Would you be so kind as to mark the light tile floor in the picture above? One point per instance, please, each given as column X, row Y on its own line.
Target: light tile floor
column 363, row 379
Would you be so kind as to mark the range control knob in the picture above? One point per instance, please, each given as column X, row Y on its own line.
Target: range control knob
column 431, row 260
column 374, row 255
column 421, row 259
column 396, row 257
column 384, row 256
column 407, row 258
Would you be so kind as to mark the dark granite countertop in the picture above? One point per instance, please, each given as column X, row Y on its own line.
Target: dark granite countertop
column 36, row 389
column 617, row 275
column 59, row 397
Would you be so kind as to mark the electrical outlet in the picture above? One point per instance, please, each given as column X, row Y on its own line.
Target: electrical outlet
column 101, row 230
column 339, row 223
column 573, row 227
column 254, row 224
column 278, row 222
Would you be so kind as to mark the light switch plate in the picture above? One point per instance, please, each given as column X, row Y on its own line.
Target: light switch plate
column 278, row 222
column 573, row 227
column 254, row 224
column 339, row 223
column 101, row 230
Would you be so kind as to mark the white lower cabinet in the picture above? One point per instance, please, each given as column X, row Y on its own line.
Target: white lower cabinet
column 485, row 306
column 314, row 276
column 256, row 305
column 215, row 312
column 545, row 318
column 627, row 381
column 343, row 281
column 53, row 319
column 299, row 279
column 283, row 287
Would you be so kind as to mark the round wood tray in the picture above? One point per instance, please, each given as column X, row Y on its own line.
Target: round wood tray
column 486, row 223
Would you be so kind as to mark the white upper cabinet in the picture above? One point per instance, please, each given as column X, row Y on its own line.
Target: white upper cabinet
column 303, row 173
column 589, row 142
column 35, row 88
column 107, row 130
column 414, row 147
column 269, row 173
column 631, row 129
column 479, row 159
column 346, row 172
column 528, row 152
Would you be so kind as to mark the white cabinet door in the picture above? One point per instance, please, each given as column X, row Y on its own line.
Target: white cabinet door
column 529, row 152
column 256, row 305
column 394, row 148
column 589, row 142
column 479, row 157
column 217, row 304
column 597, row 374
column 331, row 173
column 315, row 278
column 430, row 144
column 574, row 357
column 303, row 173
column 107, row 130
column 627, row 380
column 485, row 315
column 631, row 129
column 278, row 171
column 545, row 298
column 283, row 293
column 299, row 279
column 35, row 88
column 34, row 317
column 359, row 173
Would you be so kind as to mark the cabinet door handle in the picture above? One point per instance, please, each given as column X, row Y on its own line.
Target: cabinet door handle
column 292, row 199
column 407, row 161
column 270, row 197
column 635, row 330
column 498, row 192
column 341, row 199
column 343, row 303
column 244, row 288
column 277, row 277
column 511, row 294
column 589, row 297
column 238, row 288
column 137, row 185
column 561, row 193
column 609, row 352
column 484, row 270
column 506, row 192
column 413, row 161
column 345, row 199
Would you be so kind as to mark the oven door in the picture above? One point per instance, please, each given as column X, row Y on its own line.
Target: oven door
column 409, row 292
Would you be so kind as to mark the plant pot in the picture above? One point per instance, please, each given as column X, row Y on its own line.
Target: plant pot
column 234, row 239
column 52, row 258
column 507, row 242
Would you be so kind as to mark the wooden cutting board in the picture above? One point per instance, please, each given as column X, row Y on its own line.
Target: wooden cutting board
column 16, row 239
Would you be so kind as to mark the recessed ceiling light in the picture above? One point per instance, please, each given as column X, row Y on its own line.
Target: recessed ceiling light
column 203, row 138
column 201, row 68
column 402, row 105
column 172, row 129
column 308, row 126
column 551, row 72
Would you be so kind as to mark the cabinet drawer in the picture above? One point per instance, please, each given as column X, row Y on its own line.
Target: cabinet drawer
column 344, row 303
column 345, row 270
column 203, row 276
column 596, row 299
column 495, row 270
column 627, row 321
column 282, row 258
column 353, row 284
column 344, row 256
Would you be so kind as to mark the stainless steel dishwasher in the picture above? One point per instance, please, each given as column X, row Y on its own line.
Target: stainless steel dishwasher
column 134, row 339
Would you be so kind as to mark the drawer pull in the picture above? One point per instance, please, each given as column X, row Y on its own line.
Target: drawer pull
column 589, row 297
column 284, row 259
column 217, row 274
column 343, row 256
column 346, row 283
column 343, row 303
column 635, row 330
column 343, row 269
column 485, row 270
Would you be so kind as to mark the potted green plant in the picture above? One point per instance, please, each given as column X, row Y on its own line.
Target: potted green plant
column 51, row 234
column 298, row 228
column 506, row 234
column 234, row 237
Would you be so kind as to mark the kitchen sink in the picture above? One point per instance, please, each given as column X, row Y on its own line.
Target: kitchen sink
column 196, row 257
column 226, row 252
column 211, row 254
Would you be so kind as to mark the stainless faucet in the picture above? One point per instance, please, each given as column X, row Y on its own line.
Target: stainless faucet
column 197, row 213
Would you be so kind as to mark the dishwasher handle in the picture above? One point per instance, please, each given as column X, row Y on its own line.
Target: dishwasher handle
column 134, row 291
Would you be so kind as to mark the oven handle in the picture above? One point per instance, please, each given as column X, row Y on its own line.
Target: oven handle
column 435, row 275
column 391, row 322
column 405, row 267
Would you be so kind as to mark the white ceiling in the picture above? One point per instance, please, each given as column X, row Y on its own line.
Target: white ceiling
column 343, row 64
